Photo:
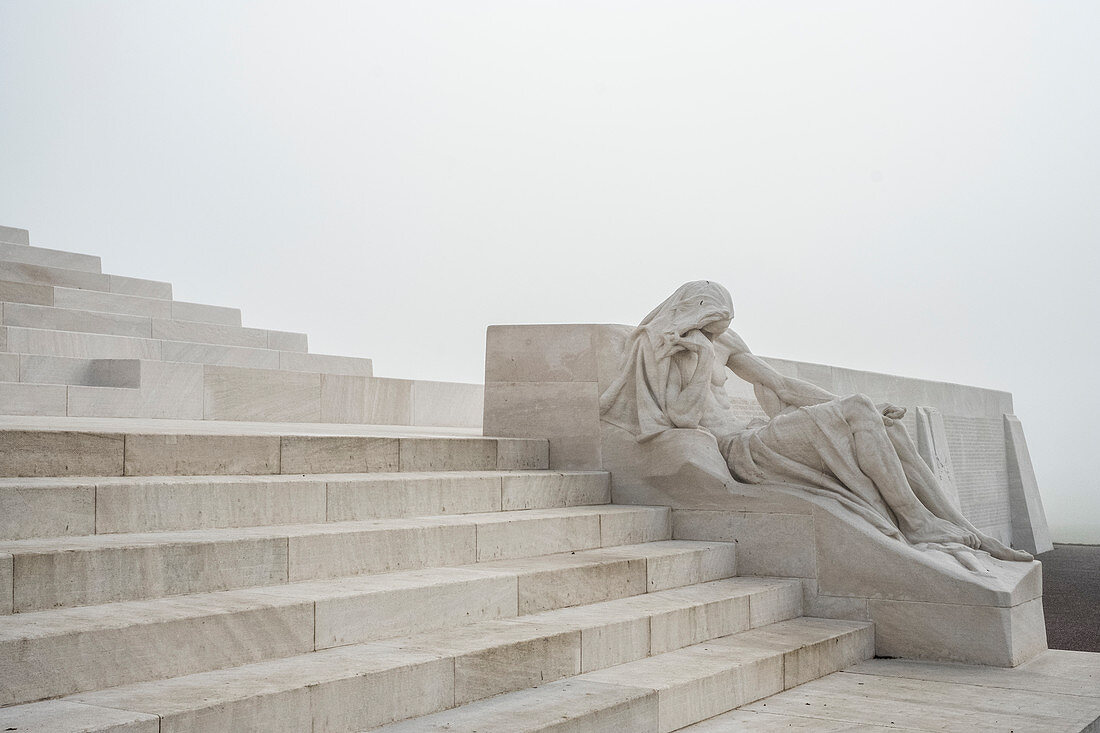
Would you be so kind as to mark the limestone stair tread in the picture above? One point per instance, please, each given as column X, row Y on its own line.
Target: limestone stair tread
column 91, row 452
column 89, row 570
column 74, row 506
column 98, row 301
column 38, row 274
column 661, row 693
column 360, row 686
column 52, row 257
column 49, row 653
column 70, row 320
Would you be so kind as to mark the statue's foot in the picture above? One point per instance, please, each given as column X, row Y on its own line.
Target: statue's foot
column 937, row 530
column 1004, row 552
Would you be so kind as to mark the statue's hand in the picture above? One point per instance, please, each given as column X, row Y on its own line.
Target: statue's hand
column 891, row 411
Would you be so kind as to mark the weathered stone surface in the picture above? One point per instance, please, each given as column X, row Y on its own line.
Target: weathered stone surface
column 514, row 536
column 17, row 398
column 61, row 716
column 60, row 453
column 65, row 319
column 32, row 508
column 20, row 252
column 411, row 494
column 235, row 393
column 14, row 235
column 373, row 401
column 565, row 413
column 526, row 490
column 17, row 292
column 448, row 454
column 338, row 454
column 183, row 454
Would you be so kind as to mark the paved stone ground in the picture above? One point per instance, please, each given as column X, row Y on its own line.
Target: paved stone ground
column 1071, row 597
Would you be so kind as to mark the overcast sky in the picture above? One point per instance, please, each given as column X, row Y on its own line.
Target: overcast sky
column 908, row 187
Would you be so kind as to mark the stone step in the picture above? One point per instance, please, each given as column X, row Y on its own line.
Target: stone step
column 90, row 570
column 51, row 318
column 65, row 453
column 361, row 686
column 52, row 653
column 15, row 236
column 22, row 272
column 102, row 302
column 53, row 507
column 10, row 252
column 77, row 345
column 667, row 691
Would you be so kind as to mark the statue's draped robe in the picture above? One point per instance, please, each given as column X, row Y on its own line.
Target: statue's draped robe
column 671, row 380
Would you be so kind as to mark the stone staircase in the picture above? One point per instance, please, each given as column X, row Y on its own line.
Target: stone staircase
column 279, row 581
column 76, row 342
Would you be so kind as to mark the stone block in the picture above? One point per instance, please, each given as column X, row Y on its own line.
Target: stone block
column 209, row 333
column 696, row 614
column 16, row 292
column 287, row 341
column 95, row 300
column 325, row 364
column 565, row 413
column 235, row 393
column 9, row 367
column 548, row 490
column 611, row 634
column 630, row 525
column 517, row 454
column 376, row 688
column 200, row 313
column 80, row 345
column 74, row 650
column 370, row 401
column 168, row 390
column 1029, row 520
column 235, row 356
column 350, row 549
column 81, row 571
column 44, row 275
column 200, row 455
column 675, row 563
column 62, row 716
column 545, row 353
column 46, row 509
column 999, row 637
column 7, row 584
column 767, row 544
column 551, row 582
column 823, row 606
column 15, row 236
column 86, row 372
column 139, row 286
column 19, row 398
column 502, row 656
column 165, row 504
column 60, row 453
column 410, row 495
column 65, row 319
column 567, row 706
column 536, row 533
column 448, row 404
column 448, row 454
column 20, row 252
column 338, row 454
column 377, row 607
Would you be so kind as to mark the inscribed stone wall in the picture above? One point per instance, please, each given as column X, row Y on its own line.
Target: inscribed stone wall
column 978, row 455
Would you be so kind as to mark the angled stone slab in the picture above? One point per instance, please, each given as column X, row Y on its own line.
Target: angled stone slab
column 15, row 236
column 21, row 252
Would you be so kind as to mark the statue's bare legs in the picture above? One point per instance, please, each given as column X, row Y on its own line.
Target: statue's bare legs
column 878, row 458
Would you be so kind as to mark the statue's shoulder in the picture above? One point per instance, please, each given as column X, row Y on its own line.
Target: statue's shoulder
column 732, row 344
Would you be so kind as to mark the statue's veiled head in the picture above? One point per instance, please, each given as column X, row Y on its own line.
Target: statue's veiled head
column 697, row 305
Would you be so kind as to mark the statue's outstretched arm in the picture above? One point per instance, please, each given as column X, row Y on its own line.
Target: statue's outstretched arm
column 789, row 390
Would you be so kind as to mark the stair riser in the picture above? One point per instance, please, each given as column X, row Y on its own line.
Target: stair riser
column 72, row 577
column 113, row 324
column 60, row 453
column 35, row 509
column 49, row 257
column 410, row 682
column 290, row 623
column 44, row 275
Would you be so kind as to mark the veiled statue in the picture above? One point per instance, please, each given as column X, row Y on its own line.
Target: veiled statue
column 845, row 448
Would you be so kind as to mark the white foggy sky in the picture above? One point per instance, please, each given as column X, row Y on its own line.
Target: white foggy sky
column 908, row 187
